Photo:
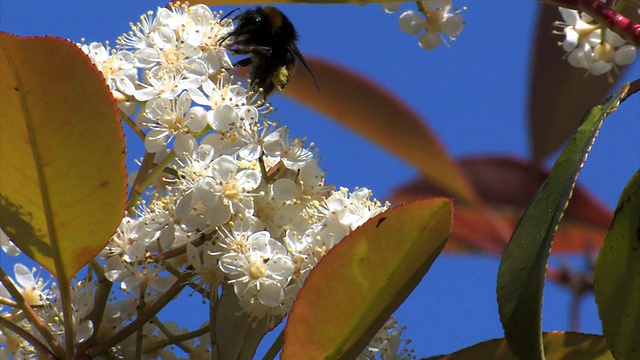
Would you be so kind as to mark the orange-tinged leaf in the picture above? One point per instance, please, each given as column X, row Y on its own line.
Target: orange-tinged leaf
column 365, row 107
column 62, row 183
column 505, row 185
column 557, row 346
column 362, row 280
column 559, row 93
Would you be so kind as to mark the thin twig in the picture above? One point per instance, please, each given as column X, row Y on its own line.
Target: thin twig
column 275, row 347
column 604, row 14
column 27, row 336
column 33, row 318
column 174, row 339
column 150, row 312
column 132, row 124
column 634, row 87
column 99, row 305
column 7, row 302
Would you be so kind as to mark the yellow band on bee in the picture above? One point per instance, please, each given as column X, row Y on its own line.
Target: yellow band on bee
column 275, row 17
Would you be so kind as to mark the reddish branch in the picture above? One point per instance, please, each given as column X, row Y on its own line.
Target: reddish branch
column 604, row 14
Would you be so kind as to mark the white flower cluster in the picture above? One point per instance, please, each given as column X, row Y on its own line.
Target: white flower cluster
column 433, row 21
column 592, row 47
column 44, row 298
column 387, row 344
column 243, row 206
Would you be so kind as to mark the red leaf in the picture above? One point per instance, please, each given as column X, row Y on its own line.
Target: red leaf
column 505, row 185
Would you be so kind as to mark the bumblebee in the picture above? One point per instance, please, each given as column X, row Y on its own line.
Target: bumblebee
column 269, row 38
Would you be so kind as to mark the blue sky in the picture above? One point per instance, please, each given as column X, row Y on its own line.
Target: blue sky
column 474, row 97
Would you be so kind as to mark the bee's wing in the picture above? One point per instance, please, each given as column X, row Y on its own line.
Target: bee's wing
column 298, row 54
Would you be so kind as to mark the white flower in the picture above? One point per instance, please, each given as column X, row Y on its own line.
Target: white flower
column 129, row 241
column 189, row 22
column 227, row 190
column 234, row 238
column 166, row 85
column 132, row 276
column 170, row 117
column 7, row 246
column 205, row 266
column 162, row 216
column 215, row 56
column 293, row 153
column 387, row 344
column 311, row 179
column 15, row 345
column 118, row 68
column 441, row 20
column 591, row 46
column 391, row 7
column 361, row 208
column 262, row 272
column 241, row 105
column 577, row 29
column 31, row 288
column 434, row 20
column 172, row 56
column 411, row 22
column 142, row 34
column 244, row 136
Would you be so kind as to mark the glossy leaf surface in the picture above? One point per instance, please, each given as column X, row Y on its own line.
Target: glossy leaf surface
column 522, row 268
column 617, row 276
column 62, row 183
column 362, row 280
column 557, row 346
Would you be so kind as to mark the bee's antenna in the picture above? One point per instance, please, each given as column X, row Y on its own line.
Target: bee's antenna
column 229, row 13
column 230, row 34
column 298, row 54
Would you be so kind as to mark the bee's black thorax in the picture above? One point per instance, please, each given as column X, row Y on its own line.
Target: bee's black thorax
column 269, row 38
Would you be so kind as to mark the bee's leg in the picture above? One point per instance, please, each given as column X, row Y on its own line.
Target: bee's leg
column 243, row 62
column 263, row 50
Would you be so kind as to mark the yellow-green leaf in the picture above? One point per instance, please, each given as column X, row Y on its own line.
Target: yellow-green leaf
column 557, row 346
column 523, row 264
column 617, row 277
column 361, row 281
column 62, row 184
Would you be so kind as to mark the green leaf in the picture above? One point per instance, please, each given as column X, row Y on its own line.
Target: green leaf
column 362, row 280
column 617, row 277
column 63, row 182
column 523, row 265
column 557, row 346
